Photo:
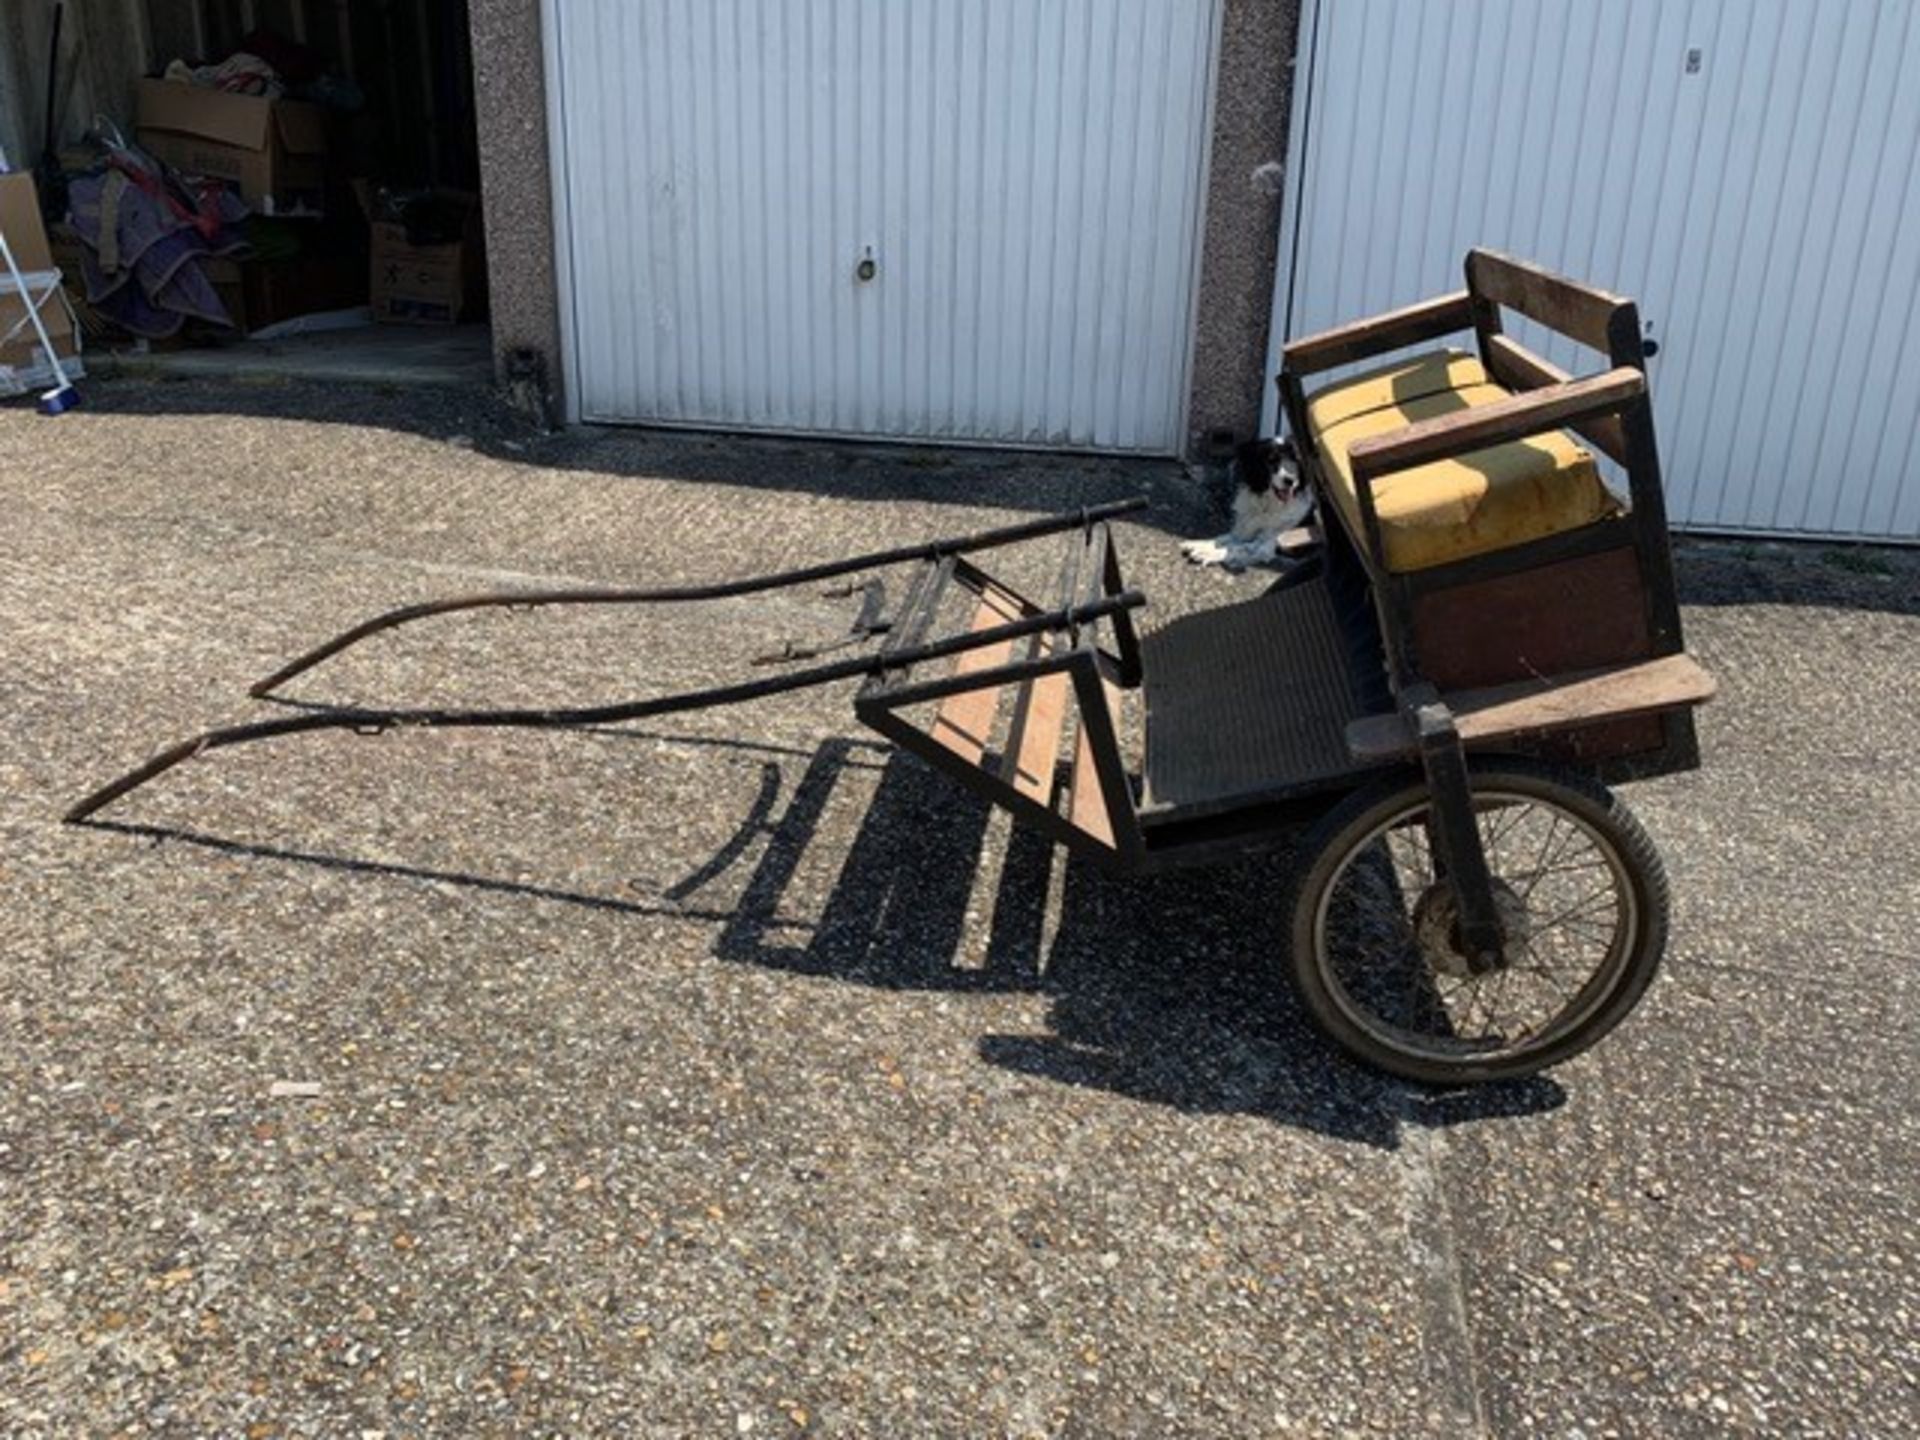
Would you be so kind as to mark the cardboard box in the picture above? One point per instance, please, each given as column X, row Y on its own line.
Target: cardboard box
column 24, row 364
column 428, row 284
column 274, row 151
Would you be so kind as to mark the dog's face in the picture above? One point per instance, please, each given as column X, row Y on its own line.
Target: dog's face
column 1268, row 500
column 1261, row 467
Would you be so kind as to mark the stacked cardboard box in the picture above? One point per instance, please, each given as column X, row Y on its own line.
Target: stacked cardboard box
column 273, row 151
column 24, row 363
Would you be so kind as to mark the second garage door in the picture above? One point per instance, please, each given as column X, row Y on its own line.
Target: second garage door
column 970, row 220
column 1749, row 170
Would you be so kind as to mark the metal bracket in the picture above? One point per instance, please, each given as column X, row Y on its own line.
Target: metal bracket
column 1455, row 833
column 869, row 622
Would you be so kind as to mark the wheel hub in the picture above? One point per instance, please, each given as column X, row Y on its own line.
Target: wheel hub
column 1436, row 927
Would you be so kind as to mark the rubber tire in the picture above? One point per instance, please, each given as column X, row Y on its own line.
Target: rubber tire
column 1326, row 844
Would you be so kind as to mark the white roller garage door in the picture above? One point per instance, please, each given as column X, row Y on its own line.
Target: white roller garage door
column 1749, row 170
column 970, row 220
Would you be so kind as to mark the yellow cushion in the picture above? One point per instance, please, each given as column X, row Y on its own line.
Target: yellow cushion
column 1452, row 509
column 1393, row 384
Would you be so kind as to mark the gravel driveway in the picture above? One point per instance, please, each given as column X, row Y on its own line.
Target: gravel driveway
column 733, row 1075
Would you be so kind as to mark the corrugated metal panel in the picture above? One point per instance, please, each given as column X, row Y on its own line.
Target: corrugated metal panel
column 1027, row 178
column 1758, row 199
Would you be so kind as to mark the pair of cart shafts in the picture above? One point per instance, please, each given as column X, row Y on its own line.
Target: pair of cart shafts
column 1466, row 902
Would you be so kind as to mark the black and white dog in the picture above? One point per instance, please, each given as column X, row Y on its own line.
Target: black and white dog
column 1268, row 501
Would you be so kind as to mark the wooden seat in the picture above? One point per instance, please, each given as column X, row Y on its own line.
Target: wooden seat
column 1454, row 508
column 1466, row 486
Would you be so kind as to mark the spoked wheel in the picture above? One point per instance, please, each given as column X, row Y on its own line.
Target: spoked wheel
column 1580, row 894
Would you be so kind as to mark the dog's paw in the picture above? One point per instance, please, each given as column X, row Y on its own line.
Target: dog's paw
column 1208, row 552
column 1231, row 555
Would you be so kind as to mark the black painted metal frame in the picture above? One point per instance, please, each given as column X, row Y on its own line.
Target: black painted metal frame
column 908, row 645
column 1090, row 584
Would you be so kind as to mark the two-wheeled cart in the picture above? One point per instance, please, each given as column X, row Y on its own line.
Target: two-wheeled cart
column 1427, row 709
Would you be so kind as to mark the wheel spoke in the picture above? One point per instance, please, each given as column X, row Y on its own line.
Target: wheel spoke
column 1389, row 959
column 1548, row 851
column 1505, row 824
column 1584, row 867
column 1575, row 909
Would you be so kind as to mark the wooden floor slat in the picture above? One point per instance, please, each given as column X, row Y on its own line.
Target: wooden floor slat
column 964, row 723
column 1036, row 746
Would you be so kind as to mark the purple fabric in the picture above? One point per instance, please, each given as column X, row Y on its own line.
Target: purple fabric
column 159, row 284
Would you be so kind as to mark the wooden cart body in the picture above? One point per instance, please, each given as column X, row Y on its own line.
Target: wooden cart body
column 1259, row 715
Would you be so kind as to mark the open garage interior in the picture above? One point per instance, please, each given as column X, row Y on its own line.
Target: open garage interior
column 287, row 185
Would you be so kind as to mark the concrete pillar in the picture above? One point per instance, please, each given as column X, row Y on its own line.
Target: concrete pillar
column 1253, row 100
column 510, row 98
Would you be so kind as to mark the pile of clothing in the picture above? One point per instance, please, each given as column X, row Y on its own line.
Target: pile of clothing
column 269, row 65
column 146, row 234
column 238, row 74
column 147, row 231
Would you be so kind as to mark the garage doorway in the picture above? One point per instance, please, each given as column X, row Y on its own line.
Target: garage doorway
column 349, row 127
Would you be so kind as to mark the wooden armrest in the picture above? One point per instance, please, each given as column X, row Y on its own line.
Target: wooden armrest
column 1518, row 368
column 1513, row 419
column 1425, row 321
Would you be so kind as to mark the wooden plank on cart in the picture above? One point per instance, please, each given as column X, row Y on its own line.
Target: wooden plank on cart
column 1087, row 805
column 964, row 723
column 1034, row 746
column 1533, row 707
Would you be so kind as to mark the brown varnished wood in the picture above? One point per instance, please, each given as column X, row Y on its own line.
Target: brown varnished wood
column 1515, row 418
column 1428, row 320
column 964, row 722
column 1533, row 707
column 1518, row 368
column 1035, row 748
column 1580, row 311
column 1087, row 805
column 1582, row 613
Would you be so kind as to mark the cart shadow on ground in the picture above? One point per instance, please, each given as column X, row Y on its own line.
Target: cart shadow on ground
column 1165, row 989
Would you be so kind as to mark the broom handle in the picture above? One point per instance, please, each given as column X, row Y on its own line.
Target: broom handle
column 53, row 76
